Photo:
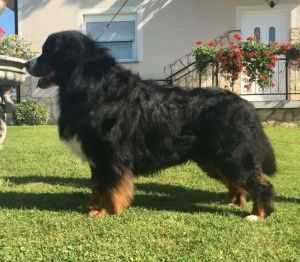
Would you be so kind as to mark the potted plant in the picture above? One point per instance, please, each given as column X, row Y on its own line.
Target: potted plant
column 257, row 60
column 205, row 55
column 230, row 62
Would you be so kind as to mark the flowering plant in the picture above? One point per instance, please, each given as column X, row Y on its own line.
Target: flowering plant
column 292, row 54
column 14, row 46
column 205, row 55
column 230, row 62
column 259, row 61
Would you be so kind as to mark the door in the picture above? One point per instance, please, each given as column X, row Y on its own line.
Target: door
column 267, row 27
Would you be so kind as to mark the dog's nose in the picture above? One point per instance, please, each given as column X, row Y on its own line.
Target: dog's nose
column 29, row 65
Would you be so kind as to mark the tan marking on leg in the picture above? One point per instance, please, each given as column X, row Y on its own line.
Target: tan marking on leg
column 242, row 199
column 258, row 210
column 236, row 195
column 262, row 209
column 114, row 200
column 257, row 213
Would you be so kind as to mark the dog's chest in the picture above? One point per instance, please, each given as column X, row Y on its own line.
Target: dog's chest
column 76, row 147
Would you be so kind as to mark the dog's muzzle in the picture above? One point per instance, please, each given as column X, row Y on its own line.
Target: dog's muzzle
column 37, row 68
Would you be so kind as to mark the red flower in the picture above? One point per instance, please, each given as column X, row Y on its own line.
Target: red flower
column 199, row 42
column 237, row 37
column 212, row 43
column 251, row 54
column 2, row 32
column 233, row 46
column 285, row 47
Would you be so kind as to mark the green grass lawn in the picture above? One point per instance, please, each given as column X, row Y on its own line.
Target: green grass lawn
column 178, row 214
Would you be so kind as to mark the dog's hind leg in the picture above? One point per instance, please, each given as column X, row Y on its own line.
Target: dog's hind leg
column 111, row 192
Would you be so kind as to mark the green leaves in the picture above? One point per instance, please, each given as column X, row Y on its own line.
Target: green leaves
column 205, row 55
column 31, row 113
column 259, row 61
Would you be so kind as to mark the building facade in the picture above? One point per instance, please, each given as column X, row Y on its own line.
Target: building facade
column 147, row 35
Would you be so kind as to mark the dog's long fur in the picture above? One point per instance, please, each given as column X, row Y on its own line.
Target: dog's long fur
column 127, row 126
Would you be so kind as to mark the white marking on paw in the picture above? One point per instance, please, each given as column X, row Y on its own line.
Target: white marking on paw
column 252, row 218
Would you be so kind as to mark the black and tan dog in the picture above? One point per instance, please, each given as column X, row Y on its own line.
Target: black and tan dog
column 124, row 126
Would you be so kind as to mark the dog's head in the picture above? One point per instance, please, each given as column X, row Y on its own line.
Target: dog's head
column 61, row 53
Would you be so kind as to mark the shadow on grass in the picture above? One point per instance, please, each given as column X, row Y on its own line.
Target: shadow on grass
column 181, row 199
column 287, row 199
column 51, row 180
column 73, row 202
column 149, row 196
column 206, row 196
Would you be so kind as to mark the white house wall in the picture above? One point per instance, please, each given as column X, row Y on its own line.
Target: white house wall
column 167, row 29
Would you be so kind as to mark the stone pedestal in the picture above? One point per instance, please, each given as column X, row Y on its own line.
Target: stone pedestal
column 12, row 74
column 12, row 71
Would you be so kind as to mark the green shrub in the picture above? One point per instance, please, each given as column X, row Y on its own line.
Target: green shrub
column 31, row 113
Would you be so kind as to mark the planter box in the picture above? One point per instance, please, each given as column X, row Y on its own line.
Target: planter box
column 12, row 71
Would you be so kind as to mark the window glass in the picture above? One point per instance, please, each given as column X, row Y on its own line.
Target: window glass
column 272, row 34
column 118, row 37
column 257, row 34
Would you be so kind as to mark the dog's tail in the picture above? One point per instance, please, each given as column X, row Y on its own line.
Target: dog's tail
column 269, row 165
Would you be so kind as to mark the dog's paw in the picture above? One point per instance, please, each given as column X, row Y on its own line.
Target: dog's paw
column 252, row 218
column 97, row 213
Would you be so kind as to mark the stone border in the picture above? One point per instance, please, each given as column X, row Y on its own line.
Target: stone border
column 276, row 104
column 272, row 123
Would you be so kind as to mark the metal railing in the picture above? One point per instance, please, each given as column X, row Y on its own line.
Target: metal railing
column 184, row 61
column 284, row 85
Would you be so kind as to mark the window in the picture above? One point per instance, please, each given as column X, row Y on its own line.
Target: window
column 257, row 34
column 272, row 34
column 118, row 36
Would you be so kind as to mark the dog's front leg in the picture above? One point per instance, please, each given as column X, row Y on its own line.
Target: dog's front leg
column 112, row 190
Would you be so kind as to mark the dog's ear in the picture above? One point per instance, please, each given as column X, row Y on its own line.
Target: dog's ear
column 98, row 56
